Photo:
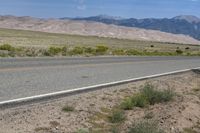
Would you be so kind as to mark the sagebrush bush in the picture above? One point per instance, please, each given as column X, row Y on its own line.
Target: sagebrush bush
column 115, row 129
column 147, row 95
column 46, row 53
column 3, row 54
column 77, row 51
column 118, row 52
column 64, row 51
column 133, row 52
column 117, row 116
column 89, row 50
column 146, row 127
column 101, row 50
column 179, row 51
column 7, row 47
column 127, row 104
column 140, row 100
column 149, row 115
column 187, row 48
column 68, row 109
column 149, row 92
column 166, row 95
column 54, row 50
column 154, row 96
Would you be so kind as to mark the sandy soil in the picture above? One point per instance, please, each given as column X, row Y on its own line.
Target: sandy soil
column 91, row 109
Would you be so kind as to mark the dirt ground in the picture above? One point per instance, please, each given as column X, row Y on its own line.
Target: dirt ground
column 181, row 115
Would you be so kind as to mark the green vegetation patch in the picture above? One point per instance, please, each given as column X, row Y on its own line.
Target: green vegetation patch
column 8, row 50
column 7, row 47
column 111, row 120
column 117, row 116
column 155, row 96
column 146, row 127
column 68, row 109
column 101, row 50
column 148, row 95
column 31, row 43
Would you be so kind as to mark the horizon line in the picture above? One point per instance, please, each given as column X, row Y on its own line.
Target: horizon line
column 96, row 16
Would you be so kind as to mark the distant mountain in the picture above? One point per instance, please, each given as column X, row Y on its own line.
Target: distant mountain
column 184, row 24
column 95, row 18
column 88, row 28
column 188, row 18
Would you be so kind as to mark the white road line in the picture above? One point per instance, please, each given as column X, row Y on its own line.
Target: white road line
column 82, row 89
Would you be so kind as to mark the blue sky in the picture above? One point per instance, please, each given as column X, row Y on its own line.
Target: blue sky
column 123, row 8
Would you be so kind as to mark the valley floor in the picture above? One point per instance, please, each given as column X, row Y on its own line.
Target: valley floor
column 22, row 43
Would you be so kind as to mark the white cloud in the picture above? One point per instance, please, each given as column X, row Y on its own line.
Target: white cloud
column 81, row 4
column 81, row 7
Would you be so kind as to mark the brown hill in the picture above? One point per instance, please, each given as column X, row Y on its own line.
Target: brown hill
column 91, row 29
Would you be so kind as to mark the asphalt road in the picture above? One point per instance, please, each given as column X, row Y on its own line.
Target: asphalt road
column 24, row 77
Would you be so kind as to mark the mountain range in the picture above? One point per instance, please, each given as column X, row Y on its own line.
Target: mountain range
column 91, row 28
column 183, row 24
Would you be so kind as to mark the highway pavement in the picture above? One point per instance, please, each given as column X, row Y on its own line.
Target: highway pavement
column 25, row 77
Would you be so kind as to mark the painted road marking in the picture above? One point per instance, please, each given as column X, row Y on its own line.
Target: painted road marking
column 72, row 66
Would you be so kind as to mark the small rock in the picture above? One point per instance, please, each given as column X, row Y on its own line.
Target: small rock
column 190, row 119
column 172, row 128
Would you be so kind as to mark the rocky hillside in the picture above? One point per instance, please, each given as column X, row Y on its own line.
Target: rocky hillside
column 91, row 29
column 184, row 24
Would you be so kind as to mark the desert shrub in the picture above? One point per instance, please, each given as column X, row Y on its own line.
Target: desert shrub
column 154, row 96
column 89, row 50
column 165, row 96
column 54, row 50
column 190, row 130
column 46, row 53
column 147, row 95
column 3, row 54
column 64, row 51
column 76, row 51
column 118, row 52
column 187, row 48
column 127, row 104
column 179, row 51
column 101, row 50
column 115, row 129
column 149, row 115
column 31, row 52
column 146, row 127
column 149, row 91
column 152, row 46
column 117, row 116
column 157, row 53
column 7, row 47
column 20, row 49
column 133, row 52
column 188, row 54
column 196, row 89
column 139, row 100
column 68, row 109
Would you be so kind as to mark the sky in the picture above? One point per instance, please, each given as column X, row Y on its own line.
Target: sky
column 85, row 8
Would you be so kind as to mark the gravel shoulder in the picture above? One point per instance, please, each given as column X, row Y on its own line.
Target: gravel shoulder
column 91, row 108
